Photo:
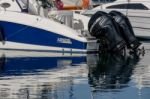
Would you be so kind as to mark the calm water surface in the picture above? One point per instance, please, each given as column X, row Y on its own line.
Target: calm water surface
column 66, row 76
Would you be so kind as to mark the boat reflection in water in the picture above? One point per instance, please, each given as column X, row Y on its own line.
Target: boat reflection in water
column 22, row 63
column 35, row 75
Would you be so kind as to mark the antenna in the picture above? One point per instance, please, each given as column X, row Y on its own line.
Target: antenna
column 27, row 5
column 127, row 7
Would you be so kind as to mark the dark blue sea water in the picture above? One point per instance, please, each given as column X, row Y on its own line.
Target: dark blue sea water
column 33, row 75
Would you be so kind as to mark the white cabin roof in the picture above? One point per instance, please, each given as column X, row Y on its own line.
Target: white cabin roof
column 146, row 3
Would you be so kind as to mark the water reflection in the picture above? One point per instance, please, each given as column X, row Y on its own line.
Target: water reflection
column 112, row 71
column 2, row 62
column 31, row 65
column 28, row 75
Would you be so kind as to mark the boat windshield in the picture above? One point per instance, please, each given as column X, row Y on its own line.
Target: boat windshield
column 52, row 4
column 48, row 3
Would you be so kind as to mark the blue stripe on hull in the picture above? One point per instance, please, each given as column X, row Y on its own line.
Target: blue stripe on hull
column 31, row 35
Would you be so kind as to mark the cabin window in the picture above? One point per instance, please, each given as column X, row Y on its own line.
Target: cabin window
column 137, row 6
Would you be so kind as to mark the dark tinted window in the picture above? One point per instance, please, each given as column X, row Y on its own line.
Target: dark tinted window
column 103, row 0
column 128, row 6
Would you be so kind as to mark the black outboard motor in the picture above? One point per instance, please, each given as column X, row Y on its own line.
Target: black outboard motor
column 126, row 29
column 103, row 27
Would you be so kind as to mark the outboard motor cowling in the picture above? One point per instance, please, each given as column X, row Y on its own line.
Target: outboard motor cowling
column 126, row 29
column 103, row 27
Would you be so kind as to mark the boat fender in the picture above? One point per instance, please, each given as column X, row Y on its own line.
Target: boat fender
column 103, row 27
column 126, row 29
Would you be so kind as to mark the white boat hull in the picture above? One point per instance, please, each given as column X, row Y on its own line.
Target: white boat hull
column 21, row 31
column 140, row 21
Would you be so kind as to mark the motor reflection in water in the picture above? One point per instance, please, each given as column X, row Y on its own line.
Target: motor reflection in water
column 111, row 71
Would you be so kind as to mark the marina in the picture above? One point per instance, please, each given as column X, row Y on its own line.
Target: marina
column 37, row 27
column 76, row 49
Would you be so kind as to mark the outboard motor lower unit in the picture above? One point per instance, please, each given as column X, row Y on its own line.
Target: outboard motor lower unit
column 103, row 27
column 126, row 29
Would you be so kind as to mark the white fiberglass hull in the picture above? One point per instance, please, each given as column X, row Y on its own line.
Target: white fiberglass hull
column 21, row 31
column 140, row 21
